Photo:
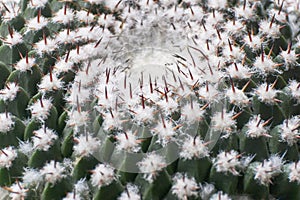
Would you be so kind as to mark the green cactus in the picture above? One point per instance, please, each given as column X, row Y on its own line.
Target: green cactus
column 149, row 99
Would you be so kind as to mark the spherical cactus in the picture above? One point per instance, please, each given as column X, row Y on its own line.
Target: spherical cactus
column 149, row 99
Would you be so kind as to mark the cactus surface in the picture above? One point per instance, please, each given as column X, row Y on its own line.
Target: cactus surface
column 149, row 99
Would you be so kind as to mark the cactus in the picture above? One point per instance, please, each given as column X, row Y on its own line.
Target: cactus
column 149, row 99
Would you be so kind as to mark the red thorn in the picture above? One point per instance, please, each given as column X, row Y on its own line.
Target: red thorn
column 166, row 95
column 116, row 6
column 41, row 101
column 207, row 45
column 65, row 8
column 194, row 140
column 230, row 46
column 6, row 8
column 106, row 95
column 68, row 29
column 67, row 57
column 111, row 113
column 191, row 75
column 39, row 15
column 27, row 61
column 262, row 54
column 249, row 35
column 166, row 84
column 173, row 26
column 192, row 105
column 99, row 41
column 163, row 120
column 77, row 49
column 280, row 8
column 4, row 152
column 232, row 85
column 192, row 10
column 258, row 122
column 143, row 101
column 107, row 75
column 289, row 47
column 206, row 84
column 125, row 81
column 130, row 90
column 50, row 72
column 150, row 83
column 210, row 69
column 236, row 67
column 219, row 34
column 10, row 31
column 141, row 80
column 78, row 105
column 88, row 68
column 79, row 86
column 202, row 22
column 272, row 21
column 126, row 136
column 45, row 38
column 6, row 85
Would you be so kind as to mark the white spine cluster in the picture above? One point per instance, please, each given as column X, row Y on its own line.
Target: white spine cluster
column 294, row 172
column 289, row 130
column 17, row 191
column 81, row 191
column 151, row 165
column 184, row 187
column 256, row 127
column 131, row 193
column 224, row 121
column 7, row 156
column 50, row 82
column 86, row 145
column 25, row 64
column 14, row 39
column 40, row 110
column 31, row 177
column 77, row 119
column 294, row 88
column 193, row 148
column 10, row 91
column 53, row 172
column 44, row 138
column 38, row 3
column 266, row 93
column 265, row 171
column 102, row 175
column 220, row 196
column 228, row 162
column 128, row 142
column 6, row 122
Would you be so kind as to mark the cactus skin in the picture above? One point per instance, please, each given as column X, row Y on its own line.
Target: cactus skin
column 97, row 73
